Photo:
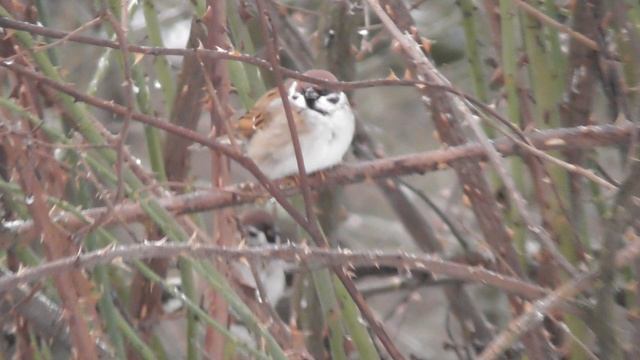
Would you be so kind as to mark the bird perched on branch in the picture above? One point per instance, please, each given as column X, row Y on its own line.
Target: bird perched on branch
column 258, row 229
column 324, row 122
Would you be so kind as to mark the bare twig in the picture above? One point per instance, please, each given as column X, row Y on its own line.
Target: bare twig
column 418, row 263
column 624, row 213
column 572, row 138
column 57, row 245
column 448, row 125
column 272, row 45
column 579, row 94
column 214, row 54
column 535, row 315
column 538, row 231
column 233, row 154
column 209, row 54
column 583, row 39
column 417, row 225
column 448, row 117
column 313, row 225
column 43, row 315
column 218, row 87
column 623, row 257
column 62, row 40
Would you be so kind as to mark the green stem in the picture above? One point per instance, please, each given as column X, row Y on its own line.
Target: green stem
column 160, row 63
column 107, row 308
column 360, row 335
column 142, row 348
column 473, row 54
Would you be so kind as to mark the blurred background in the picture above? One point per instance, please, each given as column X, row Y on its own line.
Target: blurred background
column 466, row 40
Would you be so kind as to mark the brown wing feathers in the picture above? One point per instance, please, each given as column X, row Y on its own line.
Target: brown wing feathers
column 257, row 117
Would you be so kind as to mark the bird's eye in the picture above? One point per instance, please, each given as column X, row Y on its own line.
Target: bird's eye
column 334, row 98
column 253, row 232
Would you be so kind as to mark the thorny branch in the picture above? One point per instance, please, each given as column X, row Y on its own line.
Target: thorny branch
column 121, row 33
column 515, row 142
column 535, row 315
column 218, row 86
column 306, row 256
column 574, row 138
column 313, row 225
column 271, row 41
column 223, row 54
column 412, row 49
column 57, row 244
column 215, row 54
column 448, row 116
column 233, row 154
column 202, row 53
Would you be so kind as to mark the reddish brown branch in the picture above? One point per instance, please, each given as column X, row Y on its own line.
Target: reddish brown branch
column 319, row 257
column 535, row 315
column 57, row 244
column 204, row 54
column 218, row 87
column 195, row 137
column 313, row 224
column 448, row 115
column 583, row 137
column 271, row 41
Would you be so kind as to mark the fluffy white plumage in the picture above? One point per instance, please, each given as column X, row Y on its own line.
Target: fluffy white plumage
column 324, row 121
column 271, row 272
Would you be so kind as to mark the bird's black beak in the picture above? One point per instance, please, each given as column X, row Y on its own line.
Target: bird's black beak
column 311, row 94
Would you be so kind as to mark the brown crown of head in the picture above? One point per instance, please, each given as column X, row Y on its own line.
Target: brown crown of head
column 256, row 218
column 318, row 74
column 260, row 220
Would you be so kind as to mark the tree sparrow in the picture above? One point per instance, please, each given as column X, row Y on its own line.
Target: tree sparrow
column 324, row 121
column 258, row 229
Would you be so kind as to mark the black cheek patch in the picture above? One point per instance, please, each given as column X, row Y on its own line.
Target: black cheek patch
column 319, row 111
column 311, row 105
